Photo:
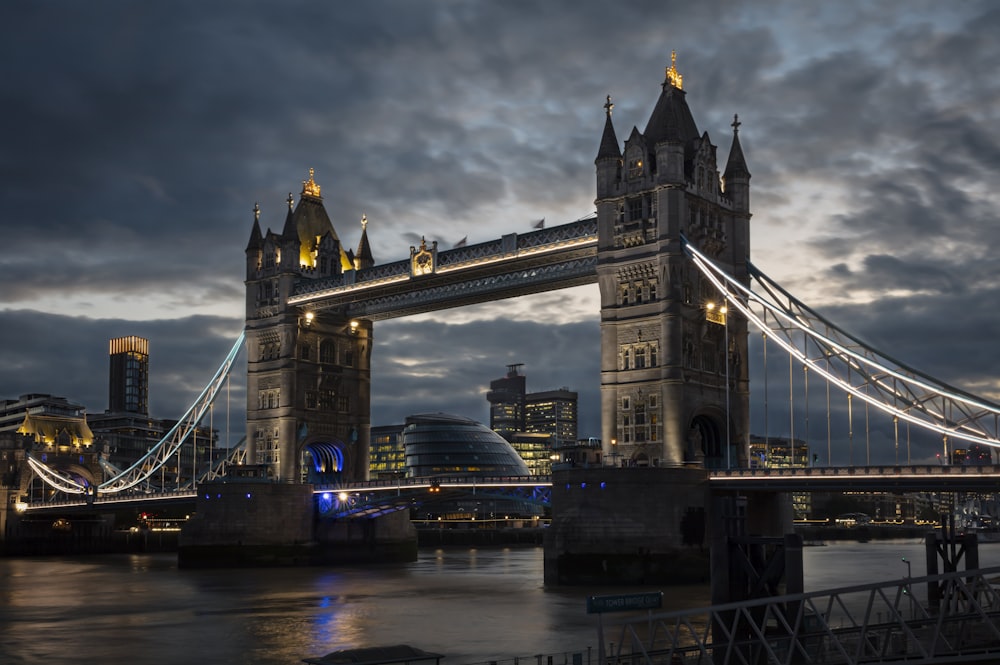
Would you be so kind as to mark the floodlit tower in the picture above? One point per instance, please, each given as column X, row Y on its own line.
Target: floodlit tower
column 674, row 384
column 308, row 371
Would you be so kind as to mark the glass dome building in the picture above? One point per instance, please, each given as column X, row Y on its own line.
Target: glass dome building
column 441, row 444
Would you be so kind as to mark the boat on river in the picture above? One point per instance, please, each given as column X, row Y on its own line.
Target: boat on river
column 390, row 655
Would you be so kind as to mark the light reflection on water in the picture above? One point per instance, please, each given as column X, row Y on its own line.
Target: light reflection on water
column 470, row 604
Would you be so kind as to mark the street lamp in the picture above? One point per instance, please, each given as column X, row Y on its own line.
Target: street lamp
column 908, row 569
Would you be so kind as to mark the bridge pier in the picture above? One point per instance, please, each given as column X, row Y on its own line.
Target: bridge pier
column 256, row 522
column 25, row 535
column 634, row 525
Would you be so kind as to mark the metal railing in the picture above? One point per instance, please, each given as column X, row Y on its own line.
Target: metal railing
column 873, row 623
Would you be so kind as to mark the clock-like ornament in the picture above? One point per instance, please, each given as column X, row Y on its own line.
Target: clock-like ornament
column 422, row 260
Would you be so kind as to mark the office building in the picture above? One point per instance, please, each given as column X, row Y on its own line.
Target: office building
column 552, row 412
column 387, row 454
column 535, row 423
column 507, row 402
column 128, row 382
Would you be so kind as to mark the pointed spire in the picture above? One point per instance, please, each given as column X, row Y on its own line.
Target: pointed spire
column 736, row 165
column 609, row 148
column 671, row 119
column 289, row 230
column 364, row 257
column 256, row 238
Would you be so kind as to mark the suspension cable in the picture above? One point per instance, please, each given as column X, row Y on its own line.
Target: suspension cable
column 920, row 399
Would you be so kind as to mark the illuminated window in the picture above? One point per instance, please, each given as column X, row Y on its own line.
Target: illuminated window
column 634, row 164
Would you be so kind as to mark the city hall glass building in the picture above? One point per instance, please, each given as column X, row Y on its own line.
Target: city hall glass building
column 440, row 444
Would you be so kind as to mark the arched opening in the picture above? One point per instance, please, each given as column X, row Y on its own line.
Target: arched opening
column 323, row 462
column 705, row 443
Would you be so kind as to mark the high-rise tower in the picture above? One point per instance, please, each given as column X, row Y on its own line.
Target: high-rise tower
column 506, row 398
column 128, row 383
column 674, row 384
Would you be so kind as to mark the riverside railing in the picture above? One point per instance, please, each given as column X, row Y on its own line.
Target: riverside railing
column 872, row 623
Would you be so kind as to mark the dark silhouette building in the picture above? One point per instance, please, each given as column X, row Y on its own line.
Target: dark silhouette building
column 507, row 398
column 128, row 383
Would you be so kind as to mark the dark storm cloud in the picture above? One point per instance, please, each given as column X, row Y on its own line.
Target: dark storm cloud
column 68, row 357
column 439, row 367
column 142, row 134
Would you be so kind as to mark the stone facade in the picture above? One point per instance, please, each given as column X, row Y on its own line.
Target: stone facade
column 308, row 371
column 628, row 526
column 667, row 351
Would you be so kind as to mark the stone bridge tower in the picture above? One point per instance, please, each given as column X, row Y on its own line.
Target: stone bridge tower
column 674, row 386
column 308, row 370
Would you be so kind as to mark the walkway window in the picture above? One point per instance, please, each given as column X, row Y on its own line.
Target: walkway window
column 328, row 352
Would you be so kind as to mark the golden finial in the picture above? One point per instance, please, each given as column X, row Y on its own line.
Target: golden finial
column 309, row 187
column 608, row 106
column 256, row 211
column 364, row 221
column 673, row 77
column 291, row 201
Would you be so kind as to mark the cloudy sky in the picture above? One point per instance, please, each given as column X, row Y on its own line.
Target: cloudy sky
column 138, row 136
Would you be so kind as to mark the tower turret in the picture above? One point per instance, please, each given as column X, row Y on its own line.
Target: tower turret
column 609, row 157
column 737, row 175
column 256, row 245
column 364, row 259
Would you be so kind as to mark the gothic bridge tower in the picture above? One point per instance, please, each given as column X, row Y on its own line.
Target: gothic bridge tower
column 308, row 372
column 674, row 386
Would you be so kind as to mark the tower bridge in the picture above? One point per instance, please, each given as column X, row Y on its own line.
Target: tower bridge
column 669, row 247
column 674, row 383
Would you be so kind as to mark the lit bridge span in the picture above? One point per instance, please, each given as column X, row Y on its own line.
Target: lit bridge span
column 566, row 255
column 513, row 265
column 377, row 497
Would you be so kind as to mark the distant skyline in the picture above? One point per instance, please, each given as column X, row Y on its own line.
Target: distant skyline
column 140, row 136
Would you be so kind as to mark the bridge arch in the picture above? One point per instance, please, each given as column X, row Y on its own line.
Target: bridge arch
column 323, row 460
column 706, row 439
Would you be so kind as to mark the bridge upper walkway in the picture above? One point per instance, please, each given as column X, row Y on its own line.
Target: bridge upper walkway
column 513, row 265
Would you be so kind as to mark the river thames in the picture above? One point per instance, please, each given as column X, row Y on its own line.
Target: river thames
column 471, row 605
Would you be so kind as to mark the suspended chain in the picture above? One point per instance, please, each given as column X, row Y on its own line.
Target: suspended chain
column 855, row 367
column 178, row 434
column 54, row 478
column 158, row 454
column 235, row 456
